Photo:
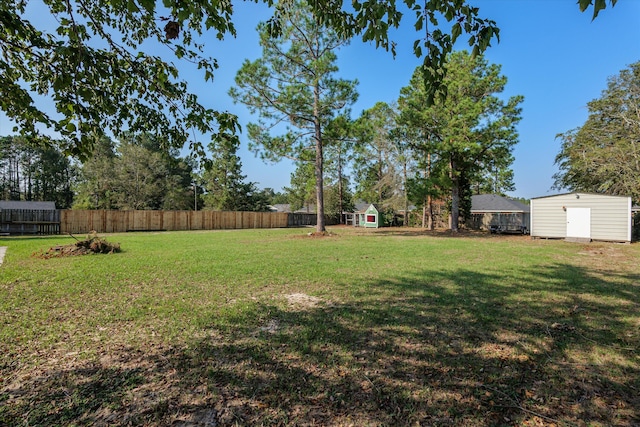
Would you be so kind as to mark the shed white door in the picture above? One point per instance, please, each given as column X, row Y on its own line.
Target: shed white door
column 579, row 222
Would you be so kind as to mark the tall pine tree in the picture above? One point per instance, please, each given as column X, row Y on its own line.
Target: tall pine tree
column 469, row 129
column 293, row 89
column 223, row 179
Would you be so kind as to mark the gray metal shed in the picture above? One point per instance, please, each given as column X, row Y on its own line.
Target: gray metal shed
column 499, row 214
column 582, row 217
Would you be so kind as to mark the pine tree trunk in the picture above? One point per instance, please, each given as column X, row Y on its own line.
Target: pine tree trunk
column 430, row 213
column 425, row 175
column 29, row 195
column 429, row 198
column 424, row 215
column 340, row 189
column 379, row 177
column 17, row 181
column 320, row 224
column 320, row 227
column 455, row 197
column 406, row 195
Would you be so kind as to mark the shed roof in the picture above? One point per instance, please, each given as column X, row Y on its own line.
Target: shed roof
column 496, row 203
column 578, row 192
column 281, row 207
column 361, row 206
column 307, row 209
column 21, row 204
column 286, row 207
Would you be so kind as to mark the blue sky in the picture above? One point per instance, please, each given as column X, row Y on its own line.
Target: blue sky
column 555, row 56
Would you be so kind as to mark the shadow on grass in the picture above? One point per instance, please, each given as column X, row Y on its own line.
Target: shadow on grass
column 440, row 232
column 410, row 231
column 554, row 346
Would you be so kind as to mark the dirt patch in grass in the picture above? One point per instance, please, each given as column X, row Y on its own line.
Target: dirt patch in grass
column 302, row 301
column 611, row 251
column 606, row 257
column 317, row 235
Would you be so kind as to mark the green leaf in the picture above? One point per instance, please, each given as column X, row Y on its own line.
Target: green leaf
column 419, row 24
column 584, row 4
column 599, row 5
column 132, row 7
column 456, row 30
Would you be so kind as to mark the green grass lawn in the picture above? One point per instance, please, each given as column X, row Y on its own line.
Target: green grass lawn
column 365, row 327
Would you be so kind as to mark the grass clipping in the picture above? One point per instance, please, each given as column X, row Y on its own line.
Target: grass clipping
column 93, row 244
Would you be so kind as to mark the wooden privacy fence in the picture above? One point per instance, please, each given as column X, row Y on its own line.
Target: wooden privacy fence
column 106, row 221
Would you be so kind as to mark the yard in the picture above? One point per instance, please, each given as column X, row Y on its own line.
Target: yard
column 365, row 327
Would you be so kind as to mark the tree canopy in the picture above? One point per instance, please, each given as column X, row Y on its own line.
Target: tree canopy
column 34, row 171
column 603, row 155
column 92, row 58
column 134, row 173
column 376, row 164
column 94, row 68
column 224, row 184
column 294, row 90
column 470, row 131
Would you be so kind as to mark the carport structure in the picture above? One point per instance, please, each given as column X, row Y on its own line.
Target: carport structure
column 499, row 214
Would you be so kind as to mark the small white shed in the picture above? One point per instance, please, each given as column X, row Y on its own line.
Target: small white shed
column 582, row 217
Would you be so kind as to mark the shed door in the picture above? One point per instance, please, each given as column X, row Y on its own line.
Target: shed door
column 579, row 222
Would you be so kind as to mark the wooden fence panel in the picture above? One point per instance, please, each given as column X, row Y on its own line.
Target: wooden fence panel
column 209, row 220
column 136, row 223
column 168, row 220
column 227, row 220
column 183, row 221
column 69, row 221
column 95, row 220
column 302, row 219
column 214, row 221
column 195, row 220
column 104, row 221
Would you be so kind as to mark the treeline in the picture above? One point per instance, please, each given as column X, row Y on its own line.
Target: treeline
column 136, row 172
column 413, row 152
column 35, row 170
column 423, row 150
column 408, row 153
column 603, row 155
